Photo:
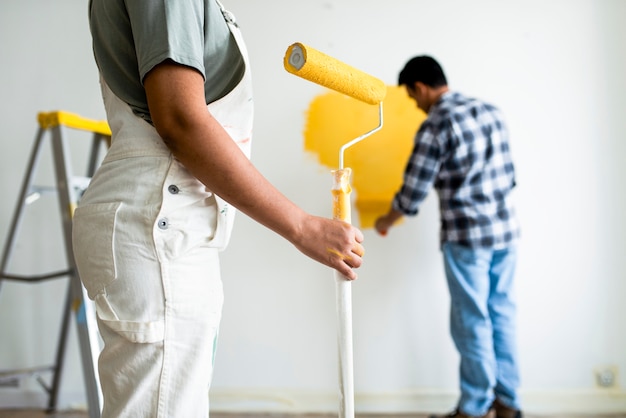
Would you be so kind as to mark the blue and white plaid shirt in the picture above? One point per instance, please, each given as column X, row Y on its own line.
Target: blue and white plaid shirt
column 462, row 149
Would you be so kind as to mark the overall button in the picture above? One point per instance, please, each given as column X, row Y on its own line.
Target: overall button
column 163, row 223
column 173, row 189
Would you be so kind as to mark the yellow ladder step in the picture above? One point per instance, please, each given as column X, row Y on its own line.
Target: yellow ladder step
column 71, row 120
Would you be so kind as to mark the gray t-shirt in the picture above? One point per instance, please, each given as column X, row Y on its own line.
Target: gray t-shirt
column 130, row 37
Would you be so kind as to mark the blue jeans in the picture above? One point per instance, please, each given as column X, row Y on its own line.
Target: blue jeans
column 482, row 324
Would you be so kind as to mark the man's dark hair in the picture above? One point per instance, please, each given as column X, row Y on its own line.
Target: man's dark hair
column 424, row 69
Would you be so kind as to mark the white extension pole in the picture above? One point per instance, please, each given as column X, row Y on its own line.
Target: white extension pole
column 341, row 210
column 346, row 376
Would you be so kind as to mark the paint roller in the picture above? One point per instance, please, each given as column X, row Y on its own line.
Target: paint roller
column 319, row 68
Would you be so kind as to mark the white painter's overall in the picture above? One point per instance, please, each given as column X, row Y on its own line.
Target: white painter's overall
column 146, row 241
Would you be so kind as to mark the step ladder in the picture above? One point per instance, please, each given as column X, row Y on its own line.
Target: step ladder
column 53, row 127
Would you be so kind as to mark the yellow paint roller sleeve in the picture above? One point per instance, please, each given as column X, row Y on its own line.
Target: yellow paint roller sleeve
column 327, row 71
column 341, row 194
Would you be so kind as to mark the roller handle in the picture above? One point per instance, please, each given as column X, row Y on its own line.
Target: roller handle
column 341, row 194
column 341, row 211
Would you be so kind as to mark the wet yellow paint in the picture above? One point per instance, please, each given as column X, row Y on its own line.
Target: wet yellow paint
column 378, row 161
column 338, row 254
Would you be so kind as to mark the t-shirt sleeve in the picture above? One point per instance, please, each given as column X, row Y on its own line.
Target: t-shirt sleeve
column 165, row 29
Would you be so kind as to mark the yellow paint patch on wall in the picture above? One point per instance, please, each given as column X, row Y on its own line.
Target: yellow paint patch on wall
column 378, row 161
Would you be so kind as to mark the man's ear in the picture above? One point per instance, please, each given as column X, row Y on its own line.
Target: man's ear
column 420, row 87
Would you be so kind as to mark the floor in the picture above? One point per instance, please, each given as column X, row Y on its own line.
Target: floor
column 29, row 413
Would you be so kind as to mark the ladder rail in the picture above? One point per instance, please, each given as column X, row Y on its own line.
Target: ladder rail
column 94, row 155
column 21, row 202
column 77, row 296
column 53, row 390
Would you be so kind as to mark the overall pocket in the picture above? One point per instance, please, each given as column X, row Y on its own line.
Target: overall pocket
column 140, row 332
column 93, row 234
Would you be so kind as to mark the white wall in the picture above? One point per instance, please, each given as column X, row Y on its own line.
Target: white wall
column 556, row 69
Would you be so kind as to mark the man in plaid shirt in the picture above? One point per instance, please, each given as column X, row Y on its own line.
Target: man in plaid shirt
column 462, row 150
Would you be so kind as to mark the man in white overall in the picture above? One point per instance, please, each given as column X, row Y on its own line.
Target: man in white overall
column 176, row 87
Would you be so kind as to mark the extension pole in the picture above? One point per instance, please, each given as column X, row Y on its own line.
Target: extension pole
column 341, row 211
